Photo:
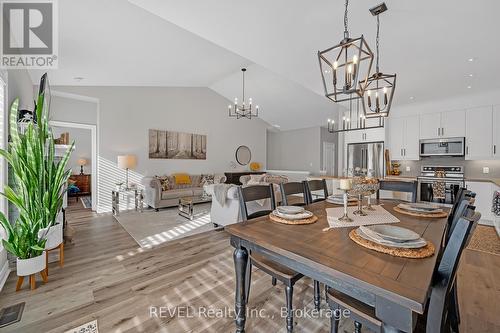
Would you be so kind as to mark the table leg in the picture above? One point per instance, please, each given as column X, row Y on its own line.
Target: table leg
column 240, row 257
column 115, row 203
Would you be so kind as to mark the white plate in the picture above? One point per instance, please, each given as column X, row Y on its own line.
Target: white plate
column 416, row 244
column 304, row 215
column 290, row 209
column 420, row 207
column 392, row 233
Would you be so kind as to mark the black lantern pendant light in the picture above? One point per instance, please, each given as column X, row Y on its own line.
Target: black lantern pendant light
column 245, row 110
column 345, row 67
column 379, row 91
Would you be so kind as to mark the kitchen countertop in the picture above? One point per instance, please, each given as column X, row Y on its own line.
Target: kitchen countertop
column 495, row 181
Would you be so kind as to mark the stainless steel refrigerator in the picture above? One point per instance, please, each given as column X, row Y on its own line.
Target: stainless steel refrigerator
column 369, row 156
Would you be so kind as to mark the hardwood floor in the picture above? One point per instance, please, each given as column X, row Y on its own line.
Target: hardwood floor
column 109, row 278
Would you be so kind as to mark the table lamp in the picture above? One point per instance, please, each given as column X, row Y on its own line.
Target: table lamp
column 127, row 162
column 82, row 162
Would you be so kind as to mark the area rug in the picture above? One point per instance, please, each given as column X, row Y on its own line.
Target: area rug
column 151, row 228
column 485, row 239
column 90, row 327
column 86, row 202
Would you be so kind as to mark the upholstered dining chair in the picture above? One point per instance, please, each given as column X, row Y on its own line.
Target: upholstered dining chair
column 315, row 185
column 436, row 318
column 275, row 270
column 400, row 186
column 291, row 188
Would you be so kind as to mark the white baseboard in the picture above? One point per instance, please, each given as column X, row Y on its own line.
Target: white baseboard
column 4, row 270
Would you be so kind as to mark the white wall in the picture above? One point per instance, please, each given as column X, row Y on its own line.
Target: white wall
column 296, row 150
column 127, row 113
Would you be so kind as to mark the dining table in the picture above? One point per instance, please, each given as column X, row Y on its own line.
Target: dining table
column 397, row 288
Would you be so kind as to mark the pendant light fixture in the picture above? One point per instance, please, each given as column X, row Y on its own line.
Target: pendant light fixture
column 353, row 119
column 345, row 67
column 244, row 110
column 379, row 91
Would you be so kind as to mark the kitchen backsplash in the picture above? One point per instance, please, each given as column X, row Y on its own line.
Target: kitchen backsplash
column 473, row 169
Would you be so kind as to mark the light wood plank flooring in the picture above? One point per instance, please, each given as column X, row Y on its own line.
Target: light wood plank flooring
column 109, row 278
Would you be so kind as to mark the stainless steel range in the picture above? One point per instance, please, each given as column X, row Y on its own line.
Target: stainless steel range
column 453, row 179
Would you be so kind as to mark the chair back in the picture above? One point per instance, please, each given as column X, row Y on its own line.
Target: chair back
column 315, row 185
column 253, row 193
column 445, row 276
column 464, row 210
column 290, row 189
column 400, row 186
column 458, row 199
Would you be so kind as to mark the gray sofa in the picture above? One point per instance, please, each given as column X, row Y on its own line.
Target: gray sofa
column 156, row 198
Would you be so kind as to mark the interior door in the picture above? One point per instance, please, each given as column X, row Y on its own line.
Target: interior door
column 453, row 124
column 496, row 132
column 429, row 125
column 479, row 133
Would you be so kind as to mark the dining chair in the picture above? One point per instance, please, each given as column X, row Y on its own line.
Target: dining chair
column 399, row 186
column 292, row 188
column 436, row 319
column 275, row 270
column 315, row 185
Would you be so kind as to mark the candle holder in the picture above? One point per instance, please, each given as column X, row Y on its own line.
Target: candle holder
column 345, row 217
column 369, row 202
column 360, row 211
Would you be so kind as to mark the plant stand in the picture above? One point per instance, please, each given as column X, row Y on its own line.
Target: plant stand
column 61, row 257
column 20, row 280
column 29, row 267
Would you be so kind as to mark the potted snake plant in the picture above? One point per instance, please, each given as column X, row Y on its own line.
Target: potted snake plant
column 38, row 189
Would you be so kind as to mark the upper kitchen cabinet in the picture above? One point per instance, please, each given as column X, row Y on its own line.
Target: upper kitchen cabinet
column 496, row 132
column 479, row 131
column 403, row 138
column 442, row 125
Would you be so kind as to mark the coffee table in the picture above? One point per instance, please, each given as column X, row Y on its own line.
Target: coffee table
column 186, row 205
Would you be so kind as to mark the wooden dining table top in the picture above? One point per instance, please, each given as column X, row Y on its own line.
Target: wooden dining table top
column 404, row 281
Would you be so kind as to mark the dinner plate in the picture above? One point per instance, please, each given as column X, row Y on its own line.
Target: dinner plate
column 304, row 215
column 420, row 207
column 290, row 209
column 391, row 233
column 415, row 244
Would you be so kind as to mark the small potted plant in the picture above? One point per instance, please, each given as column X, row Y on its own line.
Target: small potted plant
column 37, row 193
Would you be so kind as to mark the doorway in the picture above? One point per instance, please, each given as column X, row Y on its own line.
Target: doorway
column 329, row 158
column 83, row 162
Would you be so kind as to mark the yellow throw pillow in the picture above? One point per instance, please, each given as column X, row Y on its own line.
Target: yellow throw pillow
column 182, row 179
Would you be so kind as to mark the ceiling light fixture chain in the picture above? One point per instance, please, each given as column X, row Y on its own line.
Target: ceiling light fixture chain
column 346, row 20
column 377, row 41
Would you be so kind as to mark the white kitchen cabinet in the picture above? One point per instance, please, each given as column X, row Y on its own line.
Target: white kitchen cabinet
column 496, row 132
column 404, row 138
column 442, row 125
column 430, row 125
column 368, row 135
column 453, row 124
column 484, row 196
column 479, row 134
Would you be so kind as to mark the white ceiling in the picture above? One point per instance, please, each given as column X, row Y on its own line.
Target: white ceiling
column 205, row 42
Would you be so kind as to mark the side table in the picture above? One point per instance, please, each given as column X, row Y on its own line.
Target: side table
column 138, row 199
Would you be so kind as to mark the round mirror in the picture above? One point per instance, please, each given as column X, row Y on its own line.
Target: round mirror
column 243, row 155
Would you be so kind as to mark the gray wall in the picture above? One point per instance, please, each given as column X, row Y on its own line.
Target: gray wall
column 83, row 147
column 126, row 114
column 20, row 85
column 326, row 136
column 295, row 150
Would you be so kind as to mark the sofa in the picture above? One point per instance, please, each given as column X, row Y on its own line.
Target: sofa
column 158, row 195
column 229, row 212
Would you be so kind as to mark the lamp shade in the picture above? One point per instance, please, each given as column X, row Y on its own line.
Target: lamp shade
column 82, row 161
column 127, row 161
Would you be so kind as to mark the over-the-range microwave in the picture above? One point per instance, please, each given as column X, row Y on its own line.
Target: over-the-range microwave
column 442, row 147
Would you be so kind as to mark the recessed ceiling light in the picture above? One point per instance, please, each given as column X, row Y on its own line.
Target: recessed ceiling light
column 470, row 59
column 412, row 97
column 468, row 87
column 277, row 126
column 470, row 75
column 78, row 78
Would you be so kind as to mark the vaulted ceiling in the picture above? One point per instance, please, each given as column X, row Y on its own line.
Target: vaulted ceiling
column 205, row 42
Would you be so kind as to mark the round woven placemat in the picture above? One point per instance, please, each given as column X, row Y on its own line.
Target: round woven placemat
column 422, row 252
column 431, row 215
column 278, row 219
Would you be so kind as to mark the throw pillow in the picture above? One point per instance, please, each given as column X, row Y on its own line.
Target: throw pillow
column 207, row 179
column 165, row 183
column 255, row 179
column 182, row 179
